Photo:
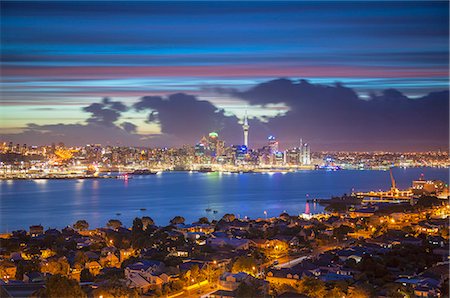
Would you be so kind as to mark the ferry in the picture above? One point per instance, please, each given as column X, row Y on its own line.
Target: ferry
column 143, row 172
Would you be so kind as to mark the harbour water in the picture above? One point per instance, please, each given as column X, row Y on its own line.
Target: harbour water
column 58, row 203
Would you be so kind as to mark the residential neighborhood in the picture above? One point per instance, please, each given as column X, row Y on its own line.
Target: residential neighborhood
column 367, row 250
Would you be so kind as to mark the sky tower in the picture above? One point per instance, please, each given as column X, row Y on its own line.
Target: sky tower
column 245, row 127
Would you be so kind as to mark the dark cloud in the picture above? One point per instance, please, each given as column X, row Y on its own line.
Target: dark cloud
column 77, row 134
column 105, row 113
column 335, row 117
column 330, row 117
column 128, row 127
column 187, row 118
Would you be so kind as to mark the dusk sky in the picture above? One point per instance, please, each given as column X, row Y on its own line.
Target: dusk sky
column 341, row 75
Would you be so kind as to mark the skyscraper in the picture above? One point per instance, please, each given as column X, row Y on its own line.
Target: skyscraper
column 273, row 144
column 245, row 127
column 304, row 153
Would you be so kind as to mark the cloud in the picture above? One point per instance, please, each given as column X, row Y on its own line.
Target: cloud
column 105, row 113
column 335, row 117
column 330, row 117
column 76, row 134
column 187, row 118
column 128, row 127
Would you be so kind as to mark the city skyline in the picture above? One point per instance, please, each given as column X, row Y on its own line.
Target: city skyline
column 345, row 76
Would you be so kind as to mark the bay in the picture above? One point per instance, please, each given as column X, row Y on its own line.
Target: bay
column 58, row 203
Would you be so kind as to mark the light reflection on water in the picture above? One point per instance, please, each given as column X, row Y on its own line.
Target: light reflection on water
column 58, row 203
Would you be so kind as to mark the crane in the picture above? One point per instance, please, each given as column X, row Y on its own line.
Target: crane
column 392, row 179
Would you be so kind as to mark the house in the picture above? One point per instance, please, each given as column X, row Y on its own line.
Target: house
column 235, row 243
column 138, row 282
column 33, row 277
column 186, row 266
column 363, row 212
column 352, row 253
column 94, row 267
column 233, row 280
column 436, row 241
column 288, row 276
column 425, row 291
column 443, row 253
column 307, row 234
column 126, row 254
column 195, row 228
column 83, row 242
column 110, row 260
column 146, row 275
column 145, row 267
column 335, row 277
column 179, row 252
column 423, row 286
column 223, row 294
column 7, row 270
column 36, row 230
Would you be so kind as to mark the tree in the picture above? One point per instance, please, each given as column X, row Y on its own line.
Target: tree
column 284, row 216
column 229, row 217
column 203, row 220
column 81, row 225
column 138, row 226
column 81, row 259
column 195, row 272
column 25, row 266
column 427, row 202
column 86, row 275
column 358, row 292
column 245, row 264
column 312, row 287
column 335, row 292
column 342, row 231
column 57, row 266
column 57, row 286
column 248, row 289
column 114, row 224
column 177, row 220
column 147, row 221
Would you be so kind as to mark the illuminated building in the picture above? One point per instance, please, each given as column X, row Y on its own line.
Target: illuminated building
column 240, row 152
column 428, row 187
column 292, row 156
column 200, row 149
column 273, row 144
column 245, row 127
column 305, row 153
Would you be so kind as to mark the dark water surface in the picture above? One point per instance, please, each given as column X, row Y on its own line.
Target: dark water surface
column 58, row 203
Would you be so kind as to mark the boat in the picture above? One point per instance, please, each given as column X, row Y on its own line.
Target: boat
column 215, row 211
column 143, row 172
column 208, row 209
column 143, row 209
column 205, row 170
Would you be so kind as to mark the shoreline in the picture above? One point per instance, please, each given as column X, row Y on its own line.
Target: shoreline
column 120, row 176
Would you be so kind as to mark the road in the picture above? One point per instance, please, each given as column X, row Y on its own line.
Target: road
column 291, row 263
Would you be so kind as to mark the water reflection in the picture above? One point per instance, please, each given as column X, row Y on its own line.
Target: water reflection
column 58, row 203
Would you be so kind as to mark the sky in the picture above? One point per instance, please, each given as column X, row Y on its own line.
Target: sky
column 342, row 75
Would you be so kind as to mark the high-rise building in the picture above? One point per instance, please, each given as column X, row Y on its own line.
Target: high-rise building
column 305, row 153
column 273, row 144
column 292, row 156
column 245, row 127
